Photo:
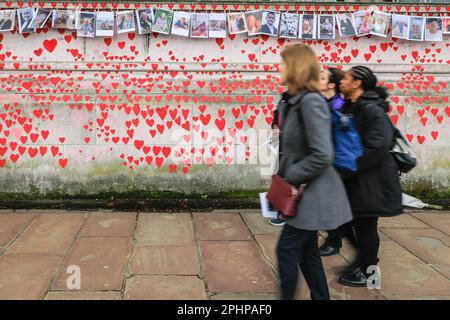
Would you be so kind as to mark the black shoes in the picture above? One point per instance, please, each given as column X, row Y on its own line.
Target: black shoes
column 327, row 250
column 356, row 279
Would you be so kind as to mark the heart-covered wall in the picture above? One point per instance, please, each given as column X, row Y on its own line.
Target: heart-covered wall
column 134, row 112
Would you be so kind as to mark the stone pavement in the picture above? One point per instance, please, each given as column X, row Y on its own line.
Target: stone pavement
column 225, row 254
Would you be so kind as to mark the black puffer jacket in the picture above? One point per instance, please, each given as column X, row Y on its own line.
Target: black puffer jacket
column 375, row 190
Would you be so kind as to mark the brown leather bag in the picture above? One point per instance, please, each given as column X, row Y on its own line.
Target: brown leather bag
column 284, row 197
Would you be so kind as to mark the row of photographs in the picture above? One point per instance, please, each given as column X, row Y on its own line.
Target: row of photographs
column 215, row 25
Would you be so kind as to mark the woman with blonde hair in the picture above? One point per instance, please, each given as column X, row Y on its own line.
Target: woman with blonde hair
column 306, row 155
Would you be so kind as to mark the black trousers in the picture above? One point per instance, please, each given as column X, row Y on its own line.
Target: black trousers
column 368, row 241
column 298, row 248
column 334, row 238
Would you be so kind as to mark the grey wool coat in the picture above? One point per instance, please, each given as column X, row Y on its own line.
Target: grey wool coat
column 307, row 155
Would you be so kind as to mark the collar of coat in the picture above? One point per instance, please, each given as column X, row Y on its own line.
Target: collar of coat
column 293, row 99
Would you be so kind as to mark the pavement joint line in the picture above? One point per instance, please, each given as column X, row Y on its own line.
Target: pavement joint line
column 127, row 270
column 19, row 234
column 431, row 226
column 68, row 251
column 201, row 258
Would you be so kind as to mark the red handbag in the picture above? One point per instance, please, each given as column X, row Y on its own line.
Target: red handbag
column 284, row 196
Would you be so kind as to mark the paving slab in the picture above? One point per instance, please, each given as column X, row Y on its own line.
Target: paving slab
column 11, row 225
column 27, row 277
column 440, row 221
column 258, row 225
column 236, row 266
column 83, row 295
column 430, row 245
column 403, row 273
column 165, row 260
column 102, row 263
column 404, row 220
column 109, row 225
column 221, row 226
column 244, row 296
column 268, row 245
column 165, row 229
column 48, row 234
column 390, row 296
column 165, row 288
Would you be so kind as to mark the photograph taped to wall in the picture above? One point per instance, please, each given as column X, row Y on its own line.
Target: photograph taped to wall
column 433, row 29
column 199, row 25
column 86, row 24
column 181, row 23
column 25, row 17
column 446, row 25
column 400, row 26
column 7, row 20
column 416, row 28
column 326, row 26
column 289, row 25
column 125, row 22
column 363, row 20
column 346, row 24
column 104, row 23
column 144, row 20
column 236, row 23
column 41, row 18
column 270, row 22
column 380, row 23
column 307, row 26
column 254, row 21
column 217, row 25
column 162, row 21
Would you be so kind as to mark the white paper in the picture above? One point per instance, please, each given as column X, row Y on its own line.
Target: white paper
column 266, row 212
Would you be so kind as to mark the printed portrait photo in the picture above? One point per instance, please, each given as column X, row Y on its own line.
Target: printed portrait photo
column 433, row 29
column 346, row 24
column 380, row 23
column 86, row 24
column 7, row 19
column 446, row 25
column 25, row 20
column 181, row 23
column 270, row 22
column 416, row 28
column 104, row 24
column 162, row 21
column 254, row 21
column 400, row 26
column 144, row 19
column 326, row 26
column 307, row 26
column 289, row 25
column 125, row 22
column 41, row 18
column 363, row 20
column 217, row 25
column 199, row 25
column 236, row 23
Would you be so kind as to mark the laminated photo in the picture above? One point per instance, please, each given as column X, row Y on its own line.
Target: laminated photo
column 326, row 25
column 307, row 26
column 346, row 24
column 41, row 18
column 199, row 25
column 25, row 18
column 125, row 22
column 270, row 22
column 181, row 23
column 236, row 23
column 217, row 25
column 433, row 29
column 380, row 23
column 144, row 20
column 86, row 24
column 363, row 20
column 162, row 21
column 7, row 19
column 254, row 21
column 289, row 25
column 446, row 25
column 416, row 28
column 104, row 24
column 400, row 26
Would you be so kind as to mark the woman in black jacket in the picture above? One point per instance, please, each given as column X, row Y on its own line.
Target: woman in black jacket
column 375, row 190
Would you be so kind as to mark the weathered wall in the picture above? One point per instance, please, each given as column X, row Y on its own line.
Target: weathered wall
column 84, row 116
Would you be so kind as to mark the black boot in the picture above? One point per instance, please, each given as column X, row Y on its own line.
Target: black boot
column 357, row 279
column 326, row 250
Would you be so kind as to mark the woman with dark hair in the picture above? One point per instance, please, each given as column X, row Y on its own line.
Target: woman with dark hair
column 306, row 154
column 374, row 191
